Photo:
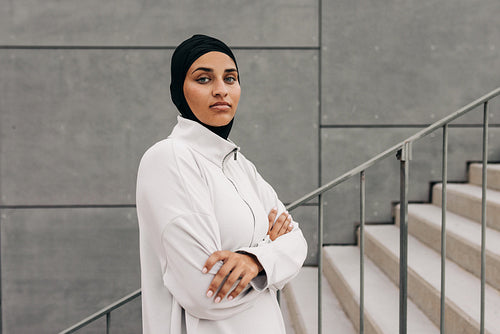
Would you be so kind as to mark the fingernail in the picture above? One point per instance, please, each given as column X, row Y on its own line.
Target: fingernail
column 290, row 225
column 274, row 209
column 204, row 270
column 230, row 298
column 289, row 216
column 217, row 300
column 210, row 293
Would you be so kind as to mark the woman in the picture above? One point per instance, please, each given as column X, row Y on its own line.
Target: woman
column 216, row 242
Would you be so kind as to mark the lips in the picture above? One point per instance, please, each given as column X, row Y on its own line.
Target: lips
column 221, row 106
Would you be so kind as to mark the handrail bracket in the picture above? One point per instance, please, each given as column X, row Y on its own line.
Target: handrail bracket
column 405, row 153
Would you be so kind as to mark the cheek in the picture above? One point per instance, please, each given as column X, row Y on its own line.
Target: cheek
column 236, row 94
column 192, row 94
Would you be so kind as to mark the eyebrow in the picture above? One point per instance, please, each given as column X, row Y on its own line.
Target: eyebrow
column 207, row 69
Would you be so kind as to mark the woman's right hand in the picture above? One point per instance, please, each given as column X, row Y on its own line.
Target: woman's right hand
column 282, row 226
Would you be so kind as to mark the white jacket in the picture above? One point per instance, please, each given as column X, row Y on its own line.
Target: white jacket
column 197, row 194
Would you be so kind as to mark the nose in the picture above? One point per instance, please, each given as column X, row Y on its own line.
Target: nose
column 219, row 88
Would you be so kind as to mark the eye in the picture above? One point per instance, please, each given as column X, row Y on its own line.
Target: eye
column 203, row 80
column 230, row 79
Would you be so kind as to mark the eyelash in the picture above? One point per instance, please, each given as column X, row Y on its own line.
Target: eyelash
column 204, row 80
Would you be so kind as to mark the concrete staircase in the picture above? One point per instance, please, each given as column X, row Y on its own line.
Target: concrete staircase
column 341, row 269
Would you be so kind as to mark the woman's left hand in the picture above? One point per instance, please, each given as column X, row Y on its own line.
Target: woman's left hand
column 236, row 266
column 280, row 226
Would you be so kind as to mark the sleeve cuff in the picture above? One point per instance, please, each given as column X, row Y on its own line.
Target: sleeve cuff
column 259, row 282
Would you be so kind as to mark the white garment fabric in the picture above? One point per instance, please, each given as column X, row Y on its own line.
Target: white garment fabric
column 197, row 194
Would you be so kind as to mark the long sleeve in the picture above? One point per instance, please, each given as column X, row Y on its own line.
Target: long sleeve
column 283, row 257
column 176, row 216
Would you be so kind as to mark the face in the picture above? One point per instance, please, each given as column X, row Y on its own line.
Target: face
column 211, row 88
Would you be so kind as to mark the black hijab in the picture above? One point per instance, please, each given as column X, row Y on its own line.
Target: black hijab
column 184, row 56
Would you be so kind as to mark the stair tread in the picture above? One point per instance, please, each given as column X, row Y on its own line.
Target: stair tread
column 304, row 289
column 493, row 172
column 495, row 167
column 472, row 191
column 377, row 288
column 465, row 228
column 490, row 166
column 462, row 288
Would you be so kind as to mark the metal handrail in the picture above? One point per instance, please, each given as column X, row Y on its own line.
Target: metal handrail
column 104, row 312
column 422, row 133
column 403, row 150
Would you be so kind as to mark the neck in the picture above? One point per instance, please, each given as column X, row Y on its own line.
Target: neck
column 221, row 131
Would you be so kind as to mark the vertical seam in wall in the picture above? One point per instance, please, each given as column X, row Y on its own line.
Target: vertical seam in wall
column 1, row 277
column 320, row 163
column 1, row 296
column 320, row 48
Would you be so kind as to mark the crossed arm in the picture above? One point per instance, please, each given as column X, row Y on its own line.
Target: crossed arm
column 179, row 223
column 242, row 266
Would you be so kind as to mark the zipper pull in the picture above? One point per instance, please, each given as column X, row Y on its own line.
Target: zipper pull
column 235, row 153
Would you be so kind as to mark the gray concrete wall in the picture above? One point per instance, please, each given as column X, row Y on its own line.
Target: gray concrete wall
column 84, row 92
column 388, row 69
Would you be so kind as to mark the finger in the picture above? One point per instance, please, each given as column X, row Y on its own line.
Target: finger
column 241, row 285
column 219, row 279
column 278, row 225
column 213, row 259
column 286, row 224
column 227, row 285
column 272, row 218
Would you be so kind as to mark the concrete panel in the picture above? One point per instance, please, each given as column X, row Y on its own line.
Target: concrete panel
column 158, row 23
column 61, row 265
column 74, row 124
column 407, row 62
column 127, row 319
column 344, row 149
column 276, row 124
column 307, row 217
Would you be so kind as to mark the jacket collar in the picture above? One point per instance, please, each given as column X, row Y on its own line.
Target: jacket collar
column 202, row 140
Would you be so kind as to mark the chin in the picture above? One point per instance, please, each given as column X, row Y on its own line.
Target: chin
column 220, row 121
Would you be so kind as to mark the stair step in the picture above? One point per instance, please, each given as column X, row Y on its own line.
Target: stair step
column 463, row 239
column 302, row 300
column 424, row 282
column 492, row 173
column 465, row 200
column 341, row 267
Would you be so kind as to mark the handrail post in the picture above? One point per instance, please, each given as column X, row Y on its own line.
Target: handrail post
column 483, row 213
column 320, row 263
column 362, row 195
column 108, row 322
column 404, row 156
column 443, row 227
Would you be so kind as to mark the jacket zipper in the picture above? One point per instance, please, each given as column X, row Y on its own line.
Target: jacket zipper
column 235, row 151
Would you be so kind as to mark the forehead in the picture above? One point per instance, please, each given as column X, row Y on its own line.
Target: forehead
column 214, row 60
